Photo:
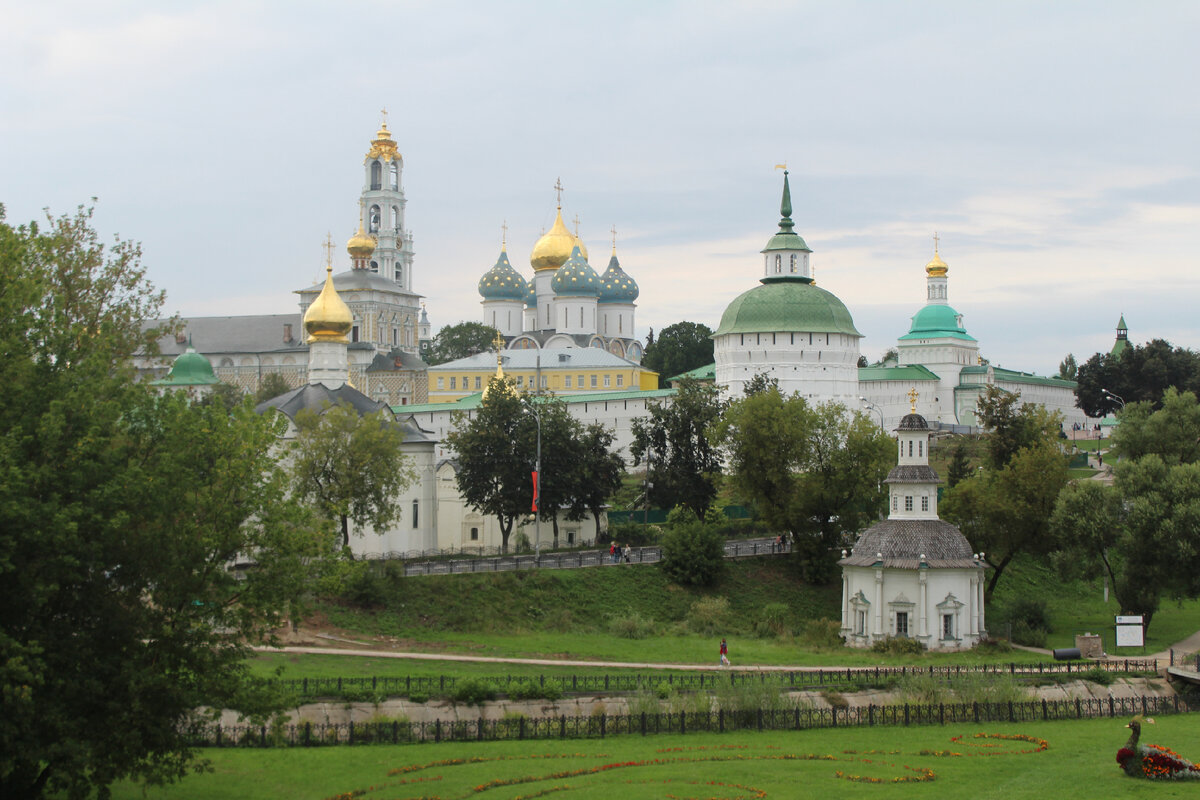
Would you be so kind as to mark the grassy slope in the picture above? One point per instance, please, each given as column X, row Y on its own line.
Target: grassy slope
column 1078, row 763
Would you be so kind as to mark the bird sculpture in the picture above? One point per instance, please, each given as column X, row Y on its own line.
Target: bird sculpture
column 1153, row 761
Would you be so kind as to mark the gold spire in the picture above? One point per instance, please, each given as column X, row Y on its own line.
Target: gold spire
column 498, row 343
column 328, row 319
column 554, row 248
column 913, row 394
column 614, row 233
column 504, row 236
column 936, row 268
column 383, row 146
column 579, row 242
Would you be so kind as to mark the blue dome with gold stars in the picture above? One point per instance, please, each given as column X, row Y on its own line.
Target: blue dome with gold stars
column 576, row 278
column 502, row 282
column 615, row 284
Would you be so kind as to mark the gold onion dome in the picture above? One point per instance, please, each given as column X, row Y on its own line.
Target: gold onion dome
column 328, row 319
column 554, row 248
column 360, row 245
column 936, row 268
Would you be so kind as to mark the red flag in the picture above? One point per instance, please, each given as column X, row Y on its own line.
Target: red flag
column 535, row 490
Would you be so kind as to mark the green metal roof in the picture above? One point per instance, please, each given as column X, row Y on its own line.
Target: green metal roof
column 791, row 304
column 910, row 372
column 937, row 322
column 706, row 373
column 190, row 369
column 1012, row 376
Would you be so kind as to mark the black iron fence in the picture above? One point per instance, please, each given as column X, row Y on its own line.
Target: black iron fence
column 434, row 685
column 599, row 725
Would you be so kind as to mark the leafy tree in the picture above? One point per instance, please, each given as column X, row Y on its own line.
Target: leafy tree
column 679, row 348
column 890, row 355
column 862, row 361
column 271, row 386
column 1137, row 374
column 560, row 486
column 814, row 472
column 1068, row 369
column 693, row 549
column 223, row 394
column 1143, row 532
column 1172, row 432
column 959, row 467
column 1004, row 508
column 120, row 511
column 760, row 382
column 601, row 470
column 459, row 341
column 672, row 441
column 350, row 466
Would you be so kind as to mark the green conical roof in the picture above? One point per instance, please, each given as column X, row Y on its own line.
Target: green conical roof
column 937, row 321
column 786, row 239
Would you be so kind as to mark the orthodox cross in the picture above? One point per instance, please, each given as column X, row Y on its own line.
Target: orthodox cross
column 912, row 398
column 614, row 233
column 504, row 235
column 384, row 112
column 782, row 166
column 328, row 245
column 576, row 221
column 935, row 243
column 558, row 190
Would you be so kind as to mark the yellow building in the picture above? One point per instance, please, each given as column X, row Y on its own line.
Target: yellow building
column 564, row 371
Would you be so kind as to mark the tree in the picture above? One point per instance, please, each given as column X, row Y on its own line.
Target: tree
column 560, row 485
column 459, row 341
column 672, row 441
column 1136, row 374
column 600, row 472
column 350, row 466
column 960, row 466
column 1172, row 432
column 693, row 549
column 495, row 455
column 814, row 472
column 1004, row 508
column 271, row 386
column 120, row 511
column 1068, row 369
column 223, row 394
column 760, row 382
column 679, row 348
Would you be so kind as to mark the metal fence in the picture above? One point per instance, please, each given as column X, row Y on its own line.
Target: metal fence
column 741, row 548
column 645, row 724
column 431, row 685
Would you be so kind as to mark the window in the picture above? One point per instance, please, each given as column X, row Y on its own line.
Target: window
column 607, row 381
column 902, row 623
column 921, row 449
column 478, row 382
column 567, row 381
column 895, row 502
column 860, row 622
column 474, row 534
column 570, row 537
column 947, row 626
column 778, row 264
column 620, row 381
column 416, row 516
column 521, row 381
column 580, row 384
column 908, row 505
column 394, row 174
column 924, row 503
column 593, row 381
column 453, row 382
column 441, row 384
column 543, row 381
column 354, row 334
column 376, row 174
column 910, row 449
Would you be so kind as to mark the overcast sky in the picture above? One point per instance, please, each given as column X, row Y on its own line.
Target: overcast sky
column 1055, row 148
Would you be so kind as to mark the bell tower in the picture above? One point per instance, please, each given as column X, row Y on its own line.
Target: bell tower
column 383, row 209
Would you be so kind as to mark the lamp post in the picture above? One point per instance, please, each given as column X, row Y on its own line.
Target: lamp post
column 537, row 467
column 868, row 404
column 1112, row 396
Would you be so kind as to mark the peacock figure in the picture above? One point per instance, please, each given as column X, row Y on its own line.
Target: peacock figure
column 1153, row 761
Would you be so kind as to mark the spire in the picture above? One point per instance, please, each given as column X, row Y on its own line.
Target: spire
column 785, row 207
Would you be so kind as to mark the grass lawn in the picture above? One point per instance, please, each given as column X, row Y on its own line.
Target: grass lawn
column 1079, row 761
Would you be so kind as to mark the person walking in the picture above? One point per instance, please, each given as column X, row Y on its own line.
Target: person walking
column 724, row 654
column 628, row 550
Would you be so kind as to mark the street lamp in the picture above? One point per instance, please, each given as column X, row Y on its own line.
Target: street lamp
column 868, row 404
column 537, row 466
column 1112, row 396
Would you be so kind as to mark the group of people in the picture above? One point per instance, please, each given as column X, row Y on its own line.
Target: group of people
column 616, row 553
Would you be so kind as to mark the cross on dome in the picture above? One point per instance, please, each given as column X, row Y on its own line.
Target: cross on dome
column 328, row 245
column 913, row 394
column 558, row 190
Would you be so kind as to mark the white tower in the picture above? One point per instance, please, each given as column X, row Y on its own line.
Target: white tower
column 383, row 201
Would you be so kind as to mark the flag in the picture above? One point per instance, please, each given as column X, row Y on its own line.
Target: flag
column 535, row 490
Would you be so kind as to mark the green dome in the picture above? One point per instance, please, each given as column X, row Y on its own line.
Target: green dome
column 530, row 295
column 576, row 278
column 502, row 282
column 937, row 321
column 786, row 304
column 615, row 285
column 190, row 369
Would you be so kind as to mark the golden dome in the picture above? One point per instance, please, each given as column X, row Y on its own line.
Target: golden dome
column 554, row 248
column 936, row 268
column 383, row 146
column 328, row 319
column 360, row 245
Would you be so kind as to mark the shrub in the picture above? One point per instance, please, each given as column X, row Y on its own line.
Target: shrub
column 1100, row 676
column 631, row 625
column 708, row 615
column 835, row 699
column 1025, row 635
column 823, row 634
column 898, row 646
column 921, row 687
column 532, row 690
column 472, row 691
column 633, row 533
column 644, row 701
column 993, row 646
column 772, row 620
column 1031, row 612
column 418, row 697
column 693, row 550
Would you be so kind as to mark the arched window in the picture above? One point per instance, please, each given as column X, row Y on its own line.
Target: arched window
column 374, row 219
column 394, row 176
column 396, row 218
column 793, row 263
column 376, row 175
column 778, row 264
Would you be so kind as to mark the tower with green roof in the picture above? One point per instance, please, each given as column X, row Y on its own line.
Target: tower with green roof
column 1122, row 340
column 788, row 328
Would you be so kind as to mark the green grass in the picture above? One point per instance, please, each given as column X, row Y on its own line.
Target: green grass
column 1079, row 762
column 1081, row 473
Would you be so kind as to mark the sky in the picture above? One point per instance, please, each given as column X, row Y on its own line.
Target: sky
column 1053, row 146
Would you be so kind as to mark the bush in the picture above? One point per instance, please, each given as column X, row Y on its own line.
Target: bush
column 823, row 634
column 1032, row 613
column 631, row 625
column 418, row 697
column 472, row 691
column 993, row 647
column 708, row 615
column 772, row 620
column 693, row 551
column 1025, row 635
column 898, row 646
column 532, row 690
column 632, row 533
column 1100, row 676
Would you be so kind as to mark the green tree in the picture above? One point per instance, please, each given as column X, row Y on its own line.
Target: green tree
column 693, row 549
column 271, row 386
column 1012, row 425
column 223, row 394
column 120, row 513
column 494, row 448
column 960, row 466
column 459, row 341
column 600, row 470
column 350, row 466
column 1068, row 369
column 672, row 441
column 679, row 348
column 1143, row 532
column 814, row 471
column 1172, row 432
column 760, row 382
column 1136, row 374
column 560, row 487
